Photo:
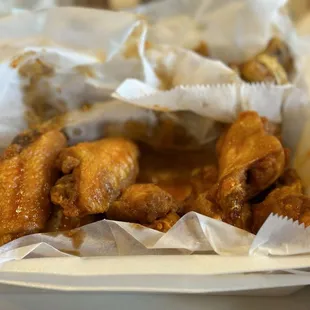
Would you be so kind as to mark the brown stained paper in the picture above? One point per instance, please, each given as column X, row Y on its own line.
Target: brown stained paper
column 79, row 72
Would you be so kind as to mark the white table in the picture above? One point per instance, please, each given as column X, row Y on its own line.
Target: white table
column 30, row 299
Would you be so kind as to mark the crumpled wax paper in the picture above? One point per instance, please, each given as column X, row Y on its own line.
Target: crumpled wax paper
column 88, row 60
column 166, row 58
column 84, row 64
column 233, row 31
column 43, row 58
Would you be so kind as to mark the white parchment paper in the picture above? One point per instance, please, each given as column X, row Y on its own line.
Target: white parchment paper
column 65, row 40
column 234, row 31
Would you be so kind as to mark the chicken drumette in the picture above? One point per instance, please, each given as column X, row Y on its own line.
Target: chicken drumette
column 142, row 203
column 250, row 160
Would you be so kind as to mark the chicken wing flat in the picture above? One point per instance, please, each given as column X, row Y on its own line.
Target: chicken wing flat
column 165, row 223
column 142, row 203
column 250, row 160
column 95, row 175
column 286, row 200
column 27, row 174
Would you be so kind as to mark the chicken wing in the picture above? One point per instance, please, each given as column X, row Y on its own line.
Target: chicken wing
column 95, row 175
column 286, row 200
column 263, row 68
column 280, row 50
column 27, row 174
column 250, row 160
column 274, row 64
column 142, row 203
column 165, row 223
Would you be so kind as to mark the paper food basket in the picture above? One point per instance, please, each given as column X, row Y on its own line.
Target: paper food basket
column 195, row 274
column 72, row 39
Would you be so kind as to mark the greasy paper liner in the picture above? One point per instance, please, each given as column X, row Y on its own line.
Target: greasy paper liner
column 241, row 27
column 88, row 52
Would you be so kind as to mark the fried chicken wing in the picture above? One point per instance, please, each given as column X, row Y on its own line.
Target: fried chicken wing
column 274, row 64
column 292, row 180
column 178, row 191
column 250, row 160
column 27, row 174
column 95, row 175
column 142, row 203
column 263, row 68
column 286, row 199
column 165, row 223
column 280, row 50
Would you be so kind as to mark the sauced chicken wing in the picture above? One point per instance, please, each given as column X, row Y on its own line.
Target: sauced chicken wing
column 250, row 160
column 180, row 192
column 286, row 200
column 165, row 223
column 26, row 175
column 95, row 175
column 142, row 203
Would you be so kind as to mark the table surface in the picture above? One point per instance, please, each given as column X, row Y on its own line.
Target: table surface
column 29, row 299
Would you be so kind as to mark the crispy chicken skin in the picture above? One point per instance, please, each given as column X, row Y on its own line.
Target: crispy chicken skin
column 27, row 174
column 95, row 175
column 286, row 200
column 250, row 160
column 142, row 203
column 165, row 223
